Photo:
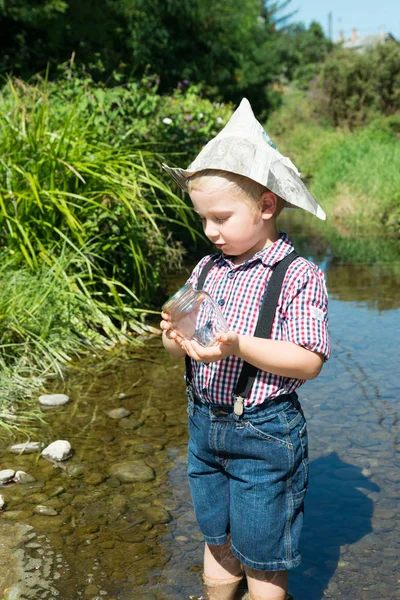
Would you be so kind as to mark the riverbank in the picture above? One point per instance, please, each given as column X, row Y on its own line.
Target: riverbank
column 353, row 174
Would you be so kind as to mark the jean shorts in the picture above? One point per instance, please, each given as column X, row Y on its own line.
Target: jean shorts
column 248, row 476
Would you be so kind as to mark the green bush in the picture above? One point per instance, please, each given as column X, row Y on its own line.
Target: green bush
column 353, row 174
column 352, row 86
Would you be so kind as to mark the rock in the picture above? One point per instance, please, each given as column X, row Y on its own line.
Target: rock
column 6, row 475
column 129, row 423
column 26, row 448
column 22, row 477
column 53, row 399
column 48, row 511
column 94, row 478
column 76, row 470
column 129, row 471
column 58, row 450
column 118, row 413
column 2, row 502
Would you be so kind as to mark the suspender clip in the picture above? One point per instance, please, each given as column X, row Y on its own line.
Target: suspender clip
column 238, row 406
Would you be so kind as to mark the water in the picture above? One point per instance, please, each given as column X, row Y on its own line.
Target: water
column 140, row 541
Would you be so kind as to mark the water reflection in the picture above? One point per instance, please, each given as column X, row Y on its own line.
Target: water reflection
column 376, row 286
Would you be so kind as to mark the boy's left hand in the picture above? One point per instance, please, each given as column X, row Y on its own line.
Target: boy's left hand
column 226, row 344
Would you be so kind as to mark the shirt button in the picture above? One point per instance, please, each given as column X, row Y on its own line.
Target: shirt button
column 221, row 301
column 231, row 275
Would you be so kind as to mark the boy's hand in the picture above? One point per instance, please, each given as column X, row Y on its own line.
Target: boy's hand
column 227, row 344
column 166, row 326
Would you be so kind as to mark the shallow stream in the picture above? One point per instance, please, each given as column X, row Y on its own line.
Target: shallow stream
column 138, row 540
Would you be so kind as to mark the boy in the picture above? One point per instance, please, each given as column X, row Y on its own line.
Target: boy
column 247, row 454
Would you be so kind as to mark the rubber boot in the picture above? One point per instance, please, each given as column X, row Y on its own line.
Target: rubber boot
column 221, row 589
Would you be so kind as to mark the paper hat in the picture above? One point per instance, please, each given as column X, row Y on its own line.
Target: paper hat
column 243, row 147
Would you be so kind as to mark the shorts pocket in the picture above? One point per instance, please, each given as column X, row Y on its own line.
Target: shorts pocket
column 270, row 430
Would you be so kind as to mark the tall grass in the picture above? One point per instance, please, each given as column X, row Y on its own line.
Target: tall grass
column 85, row 235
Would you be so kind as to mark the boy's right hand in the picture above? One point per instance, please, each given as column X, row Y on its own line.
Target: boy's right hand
column 166, row 327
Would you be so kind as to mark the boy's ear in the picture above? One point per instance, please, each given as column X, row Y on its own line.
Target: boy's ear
column 269, row 204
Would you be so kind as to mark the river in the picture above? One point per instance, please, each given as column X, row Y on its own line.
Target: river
column 139, row 541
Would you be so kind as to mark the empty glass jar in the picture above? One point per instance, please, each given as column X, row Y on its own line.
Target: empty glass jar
column 195, row 315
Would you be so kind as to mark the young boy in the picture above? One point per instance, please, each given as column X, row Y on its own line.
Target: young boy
column 247, row 454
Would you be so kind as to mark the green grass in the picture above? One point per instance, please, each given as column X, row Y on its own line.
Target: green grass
column 354, row 175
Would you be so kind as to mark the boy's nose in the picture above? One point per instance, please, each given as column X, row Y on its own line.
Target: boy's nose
column 211, row 231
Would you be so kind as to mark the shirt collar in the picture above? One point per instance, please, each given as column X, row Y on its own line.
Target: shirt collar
column 268, row 256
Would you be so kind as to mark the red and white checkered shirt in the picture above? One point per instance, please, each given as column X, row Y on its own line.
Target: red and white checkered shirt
column 301, row 318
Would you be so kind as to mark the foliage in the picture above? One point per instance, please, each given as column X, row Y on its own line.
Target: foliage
column 234, row 49
column 352, row 86
column 62, row 182
column 301, row 52
column 353, row 174
column 87, row 216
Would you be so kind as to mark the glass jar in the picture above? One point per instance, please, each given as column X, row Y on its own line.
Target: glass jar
column 195, row 315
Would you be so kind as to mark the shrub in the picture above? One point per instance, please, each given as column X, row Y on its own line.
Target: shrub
column 352, row 86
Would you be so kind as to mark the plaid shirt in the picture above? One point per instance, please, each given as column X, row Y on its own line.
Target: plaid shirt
column 301, row 318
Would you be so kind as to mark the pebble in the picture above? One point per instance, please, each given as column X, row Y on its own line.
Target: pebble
column 2, row 502
column 59, row 450
column 53, row 399
column 132, row 471
column 22, row 477
column 6, row 475
column 26, row 448
column 48, row 511
column 118, row 413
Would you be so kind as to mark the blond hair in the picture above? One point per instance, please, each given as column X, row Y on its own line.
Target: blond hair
column 211, row 180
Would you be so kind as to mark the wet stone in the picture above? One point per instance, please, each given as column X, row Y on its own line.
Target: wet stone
column 148, row 448
column 22, row 477
column 6, row 475
column 26, row 448
column 53, row 399
column 94, row 478
column 130, row 424
column 59, row 450
column 132, row 471
column 48, row 511
column 157, row 515
column 76, row 470
column 118, row 413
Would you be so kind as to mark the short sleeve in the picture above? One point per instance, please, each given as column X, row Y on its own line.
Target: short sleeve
column 306, row 312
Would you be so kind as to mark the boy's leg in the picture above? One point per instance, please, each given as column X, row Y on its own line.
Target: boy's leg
column 222, row 572
column 267, row 585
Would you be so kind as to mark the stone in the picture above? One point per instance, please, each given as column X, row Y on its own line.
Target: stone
column 130, row 471
column 6, row 475
column 2, row 502
column 94, row 478
column 26, row 448
column 59, row 450
column 22, row 477
column 53, row 399
column 118, row 413
column 48, row 511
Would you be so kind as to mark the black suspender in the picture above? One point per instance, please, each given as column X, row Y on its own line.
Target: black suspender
column 264, row 323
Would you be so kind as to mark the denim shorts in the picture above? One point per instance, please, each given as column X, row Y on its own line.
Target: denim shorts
column 248, row 477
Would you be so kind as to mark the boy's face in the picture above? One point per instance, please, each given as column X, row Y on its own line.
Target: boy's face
column 234, row 224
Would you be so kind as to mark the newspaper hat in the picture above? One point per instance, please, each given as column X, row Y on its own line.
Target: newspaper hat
column 243, row 147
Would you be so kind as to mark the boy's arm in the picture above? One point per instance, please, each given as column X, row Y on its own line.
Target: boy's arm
column 279, row 357
column 274, row 356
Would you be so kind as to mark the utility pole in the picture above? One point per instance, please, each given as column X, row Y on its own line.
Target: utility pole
column 330, row 25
